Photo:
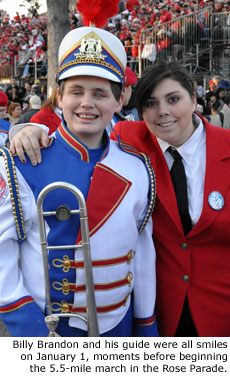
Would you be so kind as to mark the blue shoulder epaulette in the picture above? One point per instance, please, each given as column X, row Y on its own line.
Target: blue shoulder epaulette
column 152, row 180
column 14, row 193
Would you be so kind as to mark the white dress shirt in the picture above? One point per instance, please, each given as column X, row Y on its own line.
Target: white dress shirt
column 193, row 153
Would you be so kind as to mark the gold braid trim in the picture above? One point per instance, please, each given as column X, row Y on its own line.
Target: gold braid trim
column 152, row 191
column 14, row 193
column 90, row 61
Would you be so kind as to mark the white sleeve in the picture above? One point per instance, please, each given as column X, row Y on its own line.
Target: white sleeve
column 16, row 128
column 145, row 274
column 3, row 138
column 9, row 246
column 20, row 264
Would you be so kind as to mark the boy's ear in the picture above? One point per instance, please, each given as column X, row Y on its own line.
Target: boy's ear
column 59, row 99
column 120, row 103
column 194, row 101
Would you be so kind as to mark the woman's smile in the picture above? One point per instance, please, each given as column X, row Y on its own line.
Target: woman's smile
column 168, row 112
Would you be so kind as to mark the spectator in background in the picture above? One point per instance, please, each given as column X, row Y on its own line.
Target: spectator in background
column 35, row 88
column 210, row 98
column 163, row 44
column 4, row 123
column 128, row 48
column 131, row 4
column 14, row 92
column 14, row 112
column 149, row 51
column 43, row 93
column 128, row 111
column 50, row 114
column 220, row 93
column 214, row 82
column 226, row 111
column 28, row 93
column 121, row 6
column 24, row 56
column 135, row 54
column 48, row 117
column 165, row 15
column 13, row 95
column 34, row 106
column 41, row 59
column 217, row 117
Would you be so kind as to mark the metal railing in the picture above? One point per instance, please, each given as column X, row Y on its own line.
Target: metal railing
column 199, row 40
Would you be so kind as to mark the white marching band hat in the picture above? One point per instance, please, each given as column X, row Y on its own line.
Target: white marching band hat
column 91, row 51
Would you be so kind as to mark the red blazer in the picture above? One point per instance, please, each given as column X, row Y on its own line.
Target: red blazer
column 204, row 254
column 47, row 117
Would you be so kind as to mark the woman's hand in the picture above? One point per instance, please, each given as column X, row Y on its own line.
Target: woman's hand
column 29, row 139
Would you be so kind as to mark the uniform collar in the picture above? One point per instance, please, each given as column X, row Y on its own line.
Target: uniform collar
column 188, row 149
column 71, row 143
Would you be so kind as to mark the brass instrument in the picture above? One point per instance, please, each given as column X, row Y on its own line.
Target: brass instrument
column 63, row 213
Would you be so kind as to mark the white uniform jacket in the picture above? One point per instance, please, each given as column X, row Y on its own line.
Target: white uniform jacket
column 119, row 205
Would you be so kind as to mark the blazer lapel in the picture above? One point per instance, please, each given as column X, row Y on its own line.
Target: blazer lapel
column 107, row 190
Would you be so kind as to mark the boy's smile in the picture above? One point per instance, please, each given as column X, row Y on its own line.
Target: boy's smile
column 88, row 106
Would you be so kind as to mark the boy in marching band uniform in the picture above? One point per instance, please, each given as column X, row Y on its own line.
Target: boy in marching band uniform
column 119, row 186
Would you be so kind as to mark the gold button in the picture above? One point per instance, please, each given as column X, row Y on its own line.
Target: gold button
column 129, row 256
column 67, row 263
column 64, row 307
column 129, row 278
column 65, row 288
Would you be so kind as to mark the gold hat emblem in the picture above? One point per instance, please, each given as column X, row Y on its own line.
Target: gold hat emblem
column 90, row 48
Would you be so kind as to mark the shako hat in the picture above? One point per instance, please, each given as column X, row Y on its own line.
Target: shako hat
column 91, row 51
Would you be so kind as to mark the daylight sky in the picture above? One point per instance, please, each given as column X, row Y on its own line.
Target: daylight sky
column 12, row 6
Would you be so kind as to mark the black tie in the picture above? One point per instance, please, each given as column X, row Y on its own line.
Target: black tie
column 178, row 177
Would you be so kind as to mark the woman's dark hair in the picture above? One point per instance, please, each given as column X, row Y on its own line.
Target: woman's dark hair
column 154, row 74
column 218, row 90
column 209, row 95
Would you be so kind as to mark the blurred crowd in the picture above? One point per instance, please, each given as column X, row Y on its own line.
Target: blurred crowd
column 25, row 38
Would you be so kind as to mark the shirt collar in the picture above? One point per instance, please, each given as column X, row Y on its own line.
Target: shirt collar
column 58, row 111
column 188, row 149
